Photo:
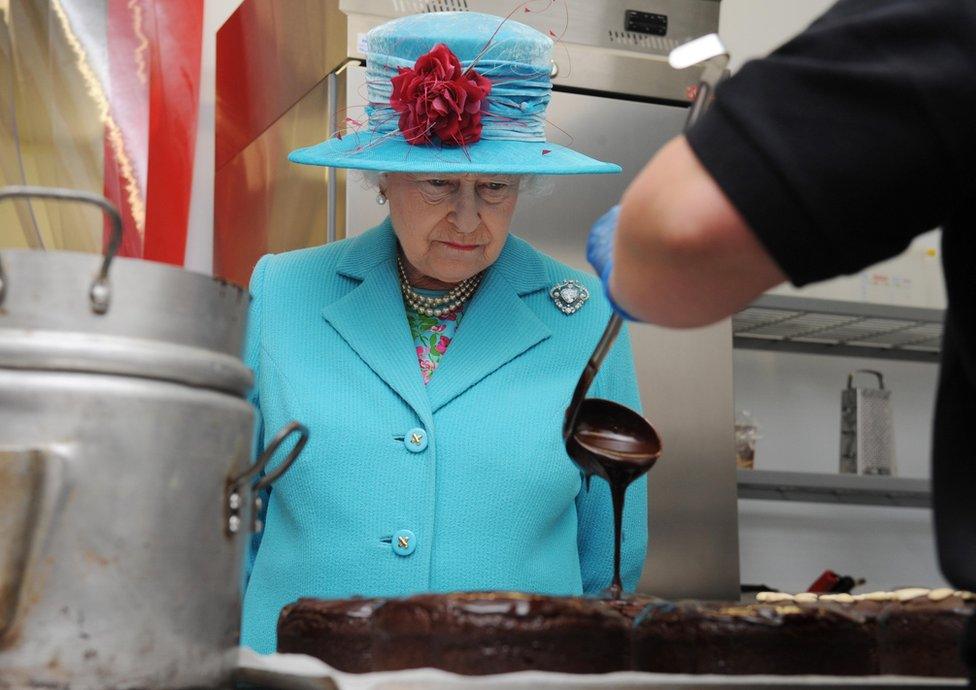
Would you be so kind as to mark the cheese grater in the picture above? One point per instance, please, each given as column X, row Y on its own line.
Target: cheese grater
column 867, row 440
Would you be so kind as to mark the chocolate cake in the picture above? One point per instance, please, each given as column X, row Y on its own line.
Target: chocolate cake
column 499, row 632
column 921, row 635
column 468, row 633
column 631, row 605
column 339, row 631
column 918, row 631
column 913, row 632
column 690, row 637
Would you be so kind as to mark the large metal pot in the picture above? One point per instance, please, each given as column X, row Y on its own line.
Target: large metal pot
column 80, row 312
column 125, row 473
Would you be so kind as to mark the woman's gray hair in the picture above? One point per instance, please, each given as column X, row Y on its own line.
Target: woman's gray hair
column 529, row 185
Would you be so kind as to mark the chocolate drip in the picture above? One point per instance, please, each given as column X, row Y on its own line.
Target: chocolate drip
column 621, row 456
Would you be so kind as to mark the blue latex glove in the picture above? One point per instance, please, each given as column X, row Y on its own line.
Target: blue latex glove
column 599, row 252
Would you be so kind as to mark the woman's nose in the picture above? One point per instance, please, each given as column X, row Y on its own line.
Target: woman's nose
column 466, row 217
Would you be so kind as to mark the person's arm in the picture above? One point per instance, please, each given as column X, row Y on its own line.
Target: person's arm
column 828, row 155
column 616, row 381
column 684, row 255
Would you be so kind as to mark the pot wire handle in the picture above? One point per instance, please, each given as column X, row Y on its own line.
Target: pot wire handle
column 233, row 493
column 270, row 478
column 100, row 293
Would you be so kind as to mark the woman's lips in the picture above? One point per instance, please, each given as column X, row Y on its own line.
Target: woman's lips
column 462, row 247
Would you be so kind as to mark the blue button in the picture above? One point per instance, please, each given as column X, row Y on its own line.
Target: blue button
column 404, row 542
column 416, row 440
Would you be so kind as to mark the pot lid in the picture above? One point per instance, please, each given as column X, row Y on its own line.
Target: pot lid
column 160, row 321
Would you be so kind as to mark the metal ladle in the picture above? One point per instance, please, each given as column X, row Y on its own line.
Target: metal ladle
column 603, row 437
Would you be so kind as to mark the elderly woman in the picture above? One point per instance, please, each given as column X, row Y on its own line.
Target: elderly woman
column 433, row 357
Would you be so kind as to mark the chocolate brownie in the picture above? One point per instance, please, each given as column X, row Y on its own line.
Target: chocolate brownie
column 912, row 632
column 338, row 631
column 499, row 632
column 920, row 636
column 692, row 637
column 631, row 605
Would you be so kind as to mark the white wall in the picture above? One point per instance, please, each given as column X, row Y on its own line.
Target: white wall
column 199, row 236
column 787, row 545
column 796, row 400
column 751, row 28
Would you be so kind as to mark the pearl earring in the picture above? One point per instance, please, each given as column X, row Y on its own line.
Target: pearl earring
column 380, row 198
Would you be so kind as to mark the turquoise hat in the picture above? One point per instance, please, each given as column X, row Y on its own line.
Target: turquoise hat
column 468, row 90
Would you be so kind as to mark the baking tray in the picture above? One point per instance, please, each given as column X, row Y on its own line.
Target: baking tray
column 301, row 672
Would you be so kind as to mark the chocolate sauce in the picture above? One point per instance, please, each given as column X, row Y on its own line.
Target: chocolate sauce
column 623, row 458
column 616, row 443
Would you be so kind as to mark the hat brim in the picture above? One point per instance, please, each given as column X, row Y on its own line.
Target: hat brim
column 364, row 151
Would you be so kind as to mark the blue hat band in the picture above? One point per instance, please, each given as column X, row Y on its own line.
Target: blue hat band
column 515, row 108
column 515, row 58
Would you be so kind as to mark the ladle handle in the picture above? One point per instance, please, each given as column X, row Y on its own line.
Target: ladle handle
column 700, row 104
column 590, row 371
column 99, row 294
column 711, row 76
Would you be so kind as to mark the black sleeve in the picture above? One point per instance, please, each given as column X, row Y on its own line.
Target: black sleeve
column 852, row 138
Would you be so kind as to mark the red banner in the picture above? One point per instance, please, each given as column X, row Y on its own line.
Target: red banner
column 154, row 51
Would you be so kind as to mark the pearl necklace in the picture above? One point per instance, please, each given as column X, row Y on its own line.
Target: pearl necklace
column 437, row 306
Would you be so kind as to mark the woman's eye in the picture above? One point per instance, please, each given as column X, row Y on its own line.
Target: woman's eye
column 437, row 188
column 494, row 191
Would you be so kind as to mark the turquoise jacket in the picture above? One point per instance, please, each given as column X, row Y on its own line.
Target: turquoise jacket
column 460, row 485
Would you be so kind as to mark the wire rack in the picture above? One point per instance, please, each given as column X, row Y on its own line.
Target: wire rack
column 783, row 322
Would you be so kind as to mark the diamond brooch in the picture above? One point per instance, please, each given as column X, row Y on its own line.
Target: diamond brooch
column 569, row 296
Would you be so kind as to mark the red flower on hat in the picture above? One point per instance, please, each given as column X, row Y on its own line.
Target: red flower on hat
column 436, row 96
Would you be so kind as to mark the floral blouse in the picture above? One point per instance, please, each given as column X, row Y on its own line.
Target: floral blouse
column 431, row 334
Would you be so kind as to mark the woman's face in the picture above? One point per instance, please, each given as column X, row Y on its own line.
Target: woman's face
column 451, row 226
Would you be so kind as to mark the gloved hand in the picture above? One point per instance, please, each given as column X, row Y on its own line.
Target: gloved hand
column 599, row 252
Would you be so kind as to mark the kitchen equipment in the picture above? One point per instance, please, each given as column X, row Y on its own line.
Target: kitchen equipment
column 145, row 319
column 125, row 449
column 607, row 439
column 603, row 437
column 867, row 437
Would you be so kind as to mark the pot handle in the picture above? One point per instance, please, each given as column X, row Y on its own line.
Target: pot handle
column 99, row 295
column 232, row 496
column 31, row 484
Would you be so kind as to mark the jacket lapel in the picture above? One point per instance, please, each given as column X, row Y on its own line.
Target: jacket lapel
column 496, row 326
column 371, row 319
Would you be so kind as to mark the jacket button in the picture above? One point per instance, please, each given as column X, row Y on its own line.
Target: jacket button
column 416, row 440
column 404, row 542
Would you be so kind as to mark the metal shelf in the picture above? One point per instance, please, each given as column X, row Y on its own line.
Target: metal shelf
column 837, row 327
column 834, row 488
